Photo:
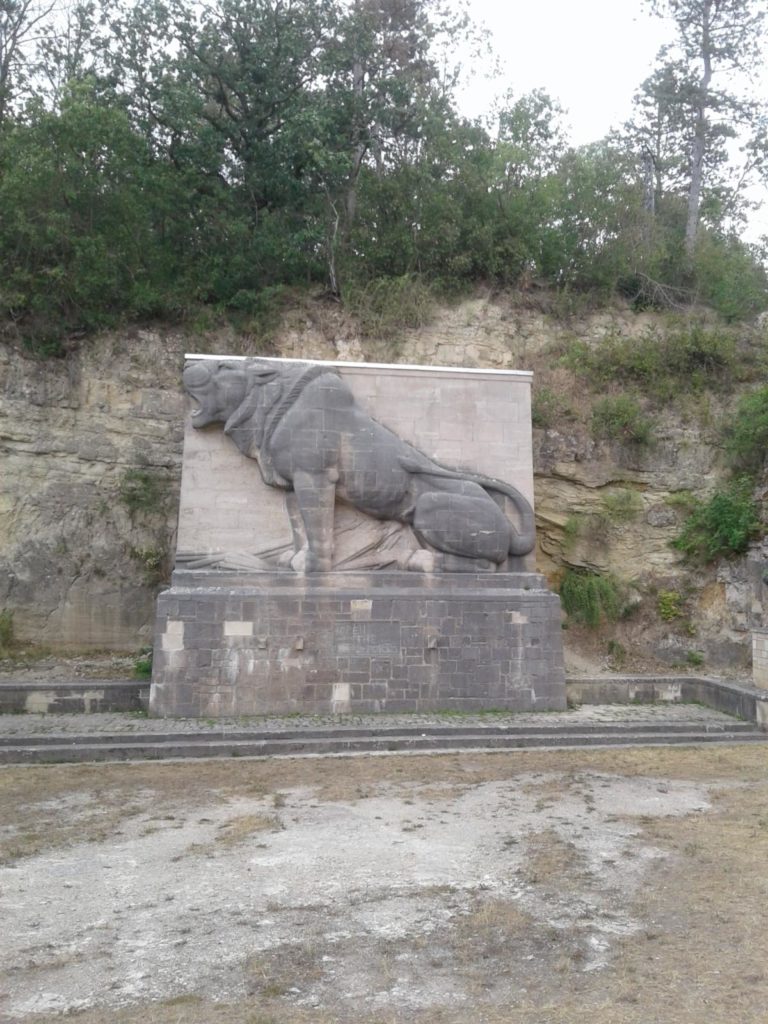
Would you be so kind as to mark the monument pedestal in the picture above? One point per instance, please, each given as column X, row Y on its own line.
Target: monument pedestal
column 760, row 657
column 231, row 644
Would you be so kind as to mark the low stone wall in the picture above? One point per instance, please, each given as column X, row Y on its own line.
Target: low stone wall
column 85, row 696
column 748, row 703
column 356, row 642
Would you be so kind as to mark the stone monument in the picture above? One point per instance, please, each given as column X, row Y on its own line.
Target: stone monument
column 757, row 573
column 355, row 537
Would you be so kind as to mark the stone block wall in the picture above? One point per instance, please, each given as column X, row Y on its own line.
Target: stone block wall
column 760, row 657
column 478, row 420
column 332, row 643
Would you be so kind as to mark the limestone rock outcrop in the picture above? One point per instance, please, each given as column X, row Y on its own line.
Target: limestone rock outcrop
column 91, row 450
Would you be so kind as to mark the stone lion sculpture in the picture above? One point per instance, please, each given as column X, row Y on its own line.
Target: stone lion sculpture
column 302, row 425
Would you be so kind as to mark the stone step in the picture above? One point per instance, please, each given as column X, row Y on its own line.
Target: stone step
column 357, row 733
column 60, row 749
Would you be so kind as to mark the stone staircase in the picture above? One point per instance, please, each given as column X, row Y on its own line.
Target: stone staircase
column 231, row 741
column 105, row 720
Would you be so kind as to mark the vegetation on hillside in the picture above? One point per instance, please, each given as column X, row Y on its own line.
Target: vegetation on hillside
column 159, row 156
column 724, row 524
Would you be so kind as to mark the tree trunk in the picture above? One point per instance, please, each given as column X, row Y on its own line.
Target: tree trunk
column 358, row 153
column 649, row 183
column 694, row 196
column 698, row 146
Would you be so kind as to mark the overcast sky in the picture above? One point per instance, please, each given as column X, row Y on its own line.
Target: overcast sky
column 590, row 55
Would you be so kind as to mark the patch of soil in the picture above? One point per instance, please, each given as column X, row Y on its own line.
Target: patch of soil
column 518, row 886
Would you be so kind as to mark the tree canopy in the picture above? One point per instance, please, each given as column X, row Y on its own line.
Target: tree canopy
column 160, row 156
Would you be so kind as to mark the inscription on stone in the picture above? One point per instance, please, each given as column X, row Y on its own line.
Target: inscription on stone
column 377, row 639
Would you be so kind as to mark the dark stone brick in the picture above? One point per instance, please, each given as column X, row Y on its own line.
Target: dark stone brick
column 360, row 665
column 375, row 691
column 448, row 643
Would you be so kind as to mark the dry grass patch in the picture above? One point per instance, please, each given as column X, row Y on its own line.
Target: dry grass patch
column 283, row 970
column 700, row 956
column 495, row 928
column 552, row 862
column 244, row 826
column 235, row 832
column 547, row 790
column 48, row 806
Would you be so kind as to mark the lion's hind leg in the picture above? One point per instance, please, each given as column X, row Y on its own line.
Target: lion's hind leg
column 467, row 526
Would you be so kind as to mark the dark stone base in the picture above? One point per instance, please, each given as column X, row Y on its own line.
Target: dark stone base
column 80, row 696
column 274, row 643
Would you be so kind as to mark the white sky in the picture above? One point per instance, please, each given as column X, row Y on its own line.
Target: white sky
column 590, row 55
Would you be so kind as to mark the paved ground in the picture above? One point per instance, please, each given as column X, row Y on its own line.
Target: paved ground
column 625, row 715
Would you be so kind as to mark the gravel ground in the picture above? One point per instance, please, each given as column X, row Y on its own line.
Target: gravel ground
column 183, row 905
column 622, row 887
column 626, row 715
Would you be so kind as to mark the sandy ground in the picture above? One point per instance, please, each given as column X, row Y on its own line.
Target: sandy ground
column 527, row 886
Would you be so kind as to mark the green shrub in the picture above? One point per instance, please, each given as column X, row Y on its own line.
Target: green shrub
column 617, row 652
column 684, row 500
column 669, row 605
column 545, row 407
column 386, row 306
column 589, row 597
column 572, row 529
column 722, row 526
column 621, row 505
column 141, row 491
column 661, row 366
column 730, row 276
column 747, row 440
column 620, row 418
column 258, row 312
column 153, row 562
column 142, row 667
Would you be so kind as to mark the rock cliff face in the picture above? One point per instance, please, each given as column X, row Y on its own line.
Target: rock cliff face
column 91, row 451
column 91, row 457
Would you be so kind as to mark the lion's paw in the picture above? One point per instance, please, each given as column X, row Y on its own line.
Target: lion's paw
column 306, row 561
column 423, row 561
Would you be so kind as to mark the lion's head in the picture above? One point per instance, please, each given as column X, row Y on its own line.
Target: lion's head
column 220, row 388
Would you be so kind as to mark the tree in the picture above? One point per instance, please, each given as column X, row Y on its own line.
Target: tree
column 713, row 37
column 383, row 101
column 78, row 231
column 521, row 167
column 593, row 240
column 20, row 20
column 659, row 131
column 66, row 50
column 228, row 95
